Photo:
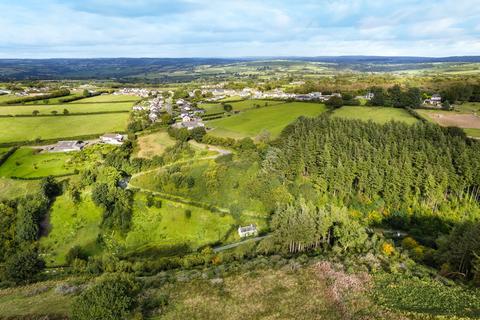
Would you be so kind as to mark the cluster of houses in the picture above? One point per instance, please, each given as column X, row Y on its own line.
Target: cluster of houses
column 77, row 145
column 141, row 92
column 219, row 93
column 190, row 117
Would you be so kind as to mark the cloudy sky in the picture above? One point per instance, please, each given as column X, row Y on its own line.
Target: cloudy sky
column 233, row 28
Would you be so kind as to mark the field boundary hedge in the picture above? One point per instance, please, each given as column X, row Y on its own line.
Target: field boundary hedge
column 39, row 178
column 7, row 155
column 415, row 114
column 54, row 94
column 61, row 114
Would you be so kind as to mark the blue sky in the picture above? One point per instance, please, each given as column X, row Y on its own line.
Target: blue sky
column 229, row 28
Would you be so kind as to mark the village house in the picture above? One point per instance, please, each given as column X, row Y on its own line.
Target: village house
column 247, row 231
column 112, row 138
column 153, row 116
column 435, row 100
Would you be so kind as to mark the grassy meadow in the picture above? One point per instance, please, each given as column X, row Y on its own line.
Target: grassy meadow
column 71, row 107
column 71, row 225
column 375, row 114
column 53, row 100
column 172, row 225
column 223, row 185
column 56, row 127
column 11, row 189
column 108, row 98
column 29, row 163
column 153, row 144
column 271, row 118
column 238, row 105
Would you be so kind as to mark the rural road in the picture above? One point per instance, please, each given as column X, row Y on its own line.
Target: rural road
column 236, row 244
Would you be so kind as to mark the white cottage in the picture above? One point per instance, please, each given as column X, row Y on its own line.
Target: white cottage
column 247, row 231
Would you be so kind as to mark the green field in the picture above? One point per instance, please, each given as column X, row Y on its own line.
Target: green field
column 467, row 107
column 375, row 114
column 55, row 127
column 29, row 163
column 273, row 119
column 6, row 97
column 71, row 225
column 71, row 107
column 53, row 100
column 170, row 225
column 108, row 98
column 10, row 189
column 153, row 144
column 239, row 105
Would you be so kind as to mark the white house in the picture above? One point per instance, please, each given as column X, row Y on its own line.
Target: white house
column 435, row 100
column 112, row 138
column 247, row 231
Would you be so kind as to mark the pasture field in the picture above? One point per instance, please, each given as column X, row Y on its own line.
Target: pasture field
column 10, row 188
column 108, row 98
column 375, row 114
column 153, row 144
column 4, row 98
column 239, row 105
column 29, row 163
column 71, row 225
column 172, row 224
column 56, row 127
column 468, row 107
column 232, row 98
column 272, row 119
column 71, row 107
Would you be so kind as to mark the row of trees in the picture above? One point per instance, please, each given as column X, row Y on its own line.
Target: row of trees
column 396, row 97
column 53, row 94
column 20, row 222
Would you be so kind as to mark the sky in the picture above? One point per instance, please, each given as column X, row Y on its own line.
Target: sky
column 237, row 28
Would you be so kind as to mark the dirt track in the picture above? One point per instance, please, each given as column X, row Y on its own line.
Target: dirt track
column 456, row 120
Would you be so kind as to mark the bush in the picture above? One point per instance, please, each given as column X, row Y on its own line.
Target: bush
column 23, row 266
column 114, row 296
column 76, row 252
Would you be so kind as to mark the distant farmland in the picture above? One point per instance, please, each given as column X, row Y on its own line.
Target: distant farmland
column 271, row 118
column 375, row 114
column 71, row 107
column 56, row 127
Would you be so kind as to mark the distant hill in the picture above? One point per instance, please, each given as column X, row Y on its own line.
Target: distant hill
column 160, row 69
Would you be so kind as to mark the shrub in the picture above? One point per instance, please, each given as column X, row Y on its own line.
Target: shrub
column 114, row 296
column 23, row 266
column 76, row 252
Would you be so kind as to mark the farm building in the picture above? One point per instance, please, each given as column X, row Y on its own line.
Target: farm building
column 112, row 138
column 67, row 146
column 247, row 231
